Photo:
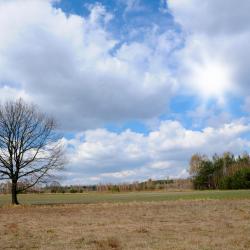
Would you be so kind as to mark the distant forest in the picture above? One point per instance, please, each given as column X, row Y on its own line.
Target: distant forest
column 149, row 185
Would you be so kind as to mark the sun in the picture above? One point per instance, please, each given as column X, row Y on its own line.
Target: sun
column 212, row 79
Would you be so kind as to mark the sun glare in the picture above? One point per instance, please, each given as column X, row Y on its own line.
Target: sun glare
column 212, row 80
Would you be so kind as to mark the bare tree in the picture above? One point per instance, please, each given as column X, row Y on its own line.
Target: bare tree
column 29, row 146
column 195, row 164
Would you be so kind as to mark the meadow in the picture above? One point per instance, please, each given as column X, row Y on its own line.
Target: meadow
column 99, row 197
column 199, row 220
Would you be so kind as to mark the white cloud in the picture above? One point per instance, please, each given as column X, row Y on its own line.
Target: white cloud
column 205, row 71
column 103, row 156
column 9, row 93
column 214, row 60
column 209, row 116
column 246, row 105
column 131, row 5
column 211, row 16
column 70, row 67
column 75, row 68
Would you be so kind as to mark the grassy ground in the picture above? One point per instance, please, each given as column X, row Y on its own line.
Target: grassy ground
column 93, row 197
column 164, row 225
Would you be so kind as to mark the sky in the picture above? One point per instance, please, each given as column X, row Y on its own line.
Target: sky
column 137, row 86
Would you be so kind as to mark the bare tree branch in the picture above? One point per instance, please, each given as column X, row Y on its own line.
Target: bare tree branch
column 29, row 147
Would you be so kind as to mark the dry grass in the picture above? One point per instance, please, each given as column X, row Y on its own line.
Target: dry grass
column 200, row 225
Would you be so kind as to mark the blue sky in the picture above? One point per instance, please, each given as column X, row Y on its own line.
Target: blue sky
column 137, row 86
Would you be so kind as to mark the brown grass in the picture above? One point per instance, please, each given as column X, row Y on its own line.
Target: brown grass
column 199, row 225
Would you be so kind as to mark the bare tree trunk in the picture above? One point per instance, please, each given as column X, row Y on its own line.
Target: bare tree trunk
column 14, row 193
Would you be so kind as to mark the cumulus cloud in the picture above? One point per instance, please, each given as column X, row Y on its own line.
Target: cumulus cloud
column 76, row 68
column 215, row 57
column 71, row 65
column 104, row 156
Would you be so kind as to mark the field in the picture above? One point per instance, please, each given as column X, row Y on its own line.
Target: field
column 95, row 197
column 207, row 220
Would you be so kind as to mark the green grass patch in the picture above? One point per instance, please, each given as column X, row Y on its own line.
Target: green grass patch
column 95, row 197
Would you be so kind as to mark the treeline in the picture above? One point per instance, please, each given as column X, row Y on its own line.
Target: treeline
column 149, row 185
column 221, row 171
